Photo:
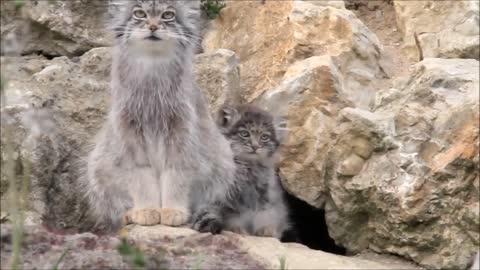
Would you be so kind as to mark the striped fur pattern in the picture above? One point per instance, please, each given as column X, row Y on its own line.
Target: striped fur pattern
column 256, row 206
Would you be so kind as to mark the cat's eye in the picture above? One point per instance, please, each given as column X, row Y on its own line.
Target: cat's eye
column 168, row 15
column 265, row 137
column 139, row 14
column 244, row 134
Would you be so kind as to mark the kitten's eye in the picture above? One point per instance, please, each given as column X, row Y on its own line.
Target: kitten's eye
column 244, row 134
column 168, row 15
column 265, row 137
column 140, row 14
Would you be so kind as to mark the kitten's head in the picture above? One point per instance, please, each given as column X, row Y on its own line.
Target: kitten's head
column 253, row 132
column 157, row 27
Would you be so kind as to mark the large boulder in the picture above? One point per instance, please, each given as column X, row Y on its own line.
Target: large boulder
column 444, row 29
column 309, row 96
column 304, row 60
column 404, row 179
column 269, row 37
column 53, row 109
column 170, row 248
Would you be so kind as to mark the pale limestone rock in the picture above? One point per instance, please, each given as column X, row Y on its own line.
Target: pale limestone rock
column 328, row 3
column 293, row 69
column 269, row 38
column 417, row 194
column 310, row 96
column 445, row 29
column 219, row 72
column 58, row 27
column 351, row 166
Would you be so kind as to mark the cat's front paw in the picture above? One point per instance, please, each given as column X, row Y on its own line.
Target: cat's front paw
column 144, row 217
column 207, row 223
column 173, row 217
column 267, row 231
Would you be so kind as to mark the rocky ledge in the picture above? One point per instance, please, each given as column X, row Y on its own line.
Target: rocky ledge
column 160, row 247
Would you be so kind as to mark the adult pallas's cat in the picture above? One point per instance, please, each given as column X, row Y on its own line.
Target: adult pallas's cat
column 159, row 151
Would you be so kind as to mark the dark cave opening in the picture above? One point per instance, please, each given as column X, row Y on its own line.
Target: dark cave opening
column 309, row 227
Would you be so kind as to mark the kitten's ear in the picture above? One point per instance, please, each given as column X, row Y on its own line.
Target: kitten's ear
column 281, row 128
column 226, row 116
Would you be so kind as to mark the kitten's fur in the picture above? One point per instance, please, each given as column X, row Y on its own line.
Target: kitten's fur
column 257, row 206
column 159, row 142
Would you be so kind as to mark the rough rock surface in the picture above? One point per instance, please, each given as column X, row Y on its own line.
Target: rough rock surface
column 310, row 96
column 268, row 38
column 172, row 248
column 302, row 73
column 404, row 179
column 219, row 72
column 55, row 107
column 445, row 29
column 60, row 28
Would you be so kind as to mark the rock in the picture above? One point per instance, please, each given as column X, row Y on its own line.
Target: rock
column 58, row 28
column 269, row 38
column 292, row 69
column 219, row 72
column 171, row 248
column 310, row 96
column 53, row 108
column 445, row 29
column 351, row 166
column 416, row 194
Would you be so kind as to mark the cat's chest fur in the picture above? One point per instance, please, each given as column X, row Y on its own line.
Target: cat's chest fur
column 255, row 181
column 158, row 127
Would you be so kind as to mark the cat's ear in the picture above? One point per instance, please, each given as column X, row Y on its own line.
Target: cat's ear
column 192, row 12
column 281, row 128
column 117, row 16
column 193, row 7
column 192, row 3
column 226, row 116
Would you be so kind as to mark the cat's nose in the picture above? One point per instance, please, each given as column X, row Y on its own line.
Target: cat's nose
column 254, row 148
column 153, row 27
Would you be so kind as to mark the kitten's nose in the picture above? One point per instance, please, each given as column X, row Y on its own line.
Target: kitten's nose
column 153, row 27
column 254, row 148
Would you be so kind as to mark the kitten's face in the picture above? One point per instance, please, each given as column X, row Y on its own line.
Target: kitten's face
column 252, row 134
column 157, row 27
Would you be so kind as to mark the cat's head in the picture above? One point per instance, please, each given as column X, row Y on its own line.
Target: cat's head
column 157, row 27
column 253, row 132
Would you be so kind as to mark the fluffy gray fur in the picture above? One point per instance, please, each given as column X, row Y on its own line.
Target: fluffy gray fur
column 159, row 148
column 257, row 206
